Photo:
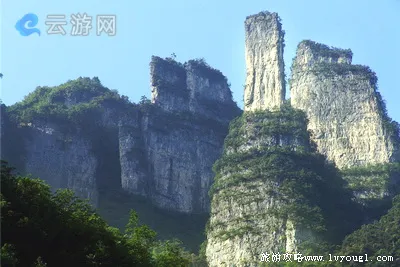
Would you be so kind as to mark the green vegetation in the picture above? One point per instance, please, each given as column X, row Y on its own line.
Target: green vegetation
column 327, row 51
column 166, row 63
column 334, row 69
column 373, row 185
column 114, row 207
column 287, row 122
column 166, row 121
column 381, row 238
column 44, row 229
column 73, row 101
column 392, row 127
column 311, row 191
column 380, row 174
column 372, row 177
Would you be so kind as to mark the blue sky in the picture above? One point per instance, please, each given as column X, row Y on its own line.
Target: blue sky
column 191, row 29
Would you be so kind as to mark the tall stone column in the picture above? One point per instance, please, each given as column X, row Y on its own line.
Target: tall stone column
column 265, row 82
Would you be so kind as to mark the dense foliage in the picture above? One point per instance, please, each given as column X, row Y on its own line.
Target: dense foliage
column 44, row 229
column 381, row 238
column 70, row 102
column 114, row 207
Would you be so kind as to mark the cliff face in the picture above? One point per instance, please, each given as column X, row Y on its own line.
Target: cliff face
column 265, row 81
column 343, row 106
column 95, row 141
column 181, row 136
column 346, row 114
column 64, row 161
column 244, row 221
column 193, row 86
column 267, row 194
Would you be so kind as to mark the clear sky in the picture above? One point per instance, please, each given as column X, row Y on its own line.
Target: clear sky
column 213, row 29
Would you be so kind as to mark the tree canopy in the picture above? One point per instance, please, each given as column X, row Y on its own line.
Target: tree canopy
column 41, row 228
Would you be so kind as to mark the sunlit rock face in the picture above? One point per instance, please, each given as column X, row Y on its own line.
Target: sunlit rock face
column 346, row 113
column 345, row 110
column 265, row 81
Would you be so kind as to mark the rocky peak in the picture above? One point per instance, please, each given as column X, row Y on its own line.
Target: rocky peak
column 277, row 158
column 193, row 86
column 345, row 111
column 265, row 82
column 310, row 53
column 347, row 118
column 168, row 83
column 202, row 79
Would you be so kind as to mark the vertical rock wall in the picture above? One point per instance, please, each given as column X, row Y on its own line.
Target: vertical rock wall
column 265, row 81
column 62, row 160
column 183, row 132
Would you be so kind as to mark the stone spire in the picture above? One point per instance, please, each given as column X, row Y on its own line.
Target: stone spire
column 265, row 81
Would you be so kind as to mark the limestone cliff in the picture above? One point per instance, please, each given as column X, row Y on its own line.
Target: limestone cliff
column 193, row 86
column 265, row 81
column 346, row 113
column 83, row 136
column 269, row 190
column 182, row 135
column 276, row 186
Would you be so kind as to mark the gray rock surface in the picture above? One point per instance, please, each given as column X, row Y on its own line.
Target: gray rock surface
column 163, row 151
column 265, row 81
column 62, row 160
